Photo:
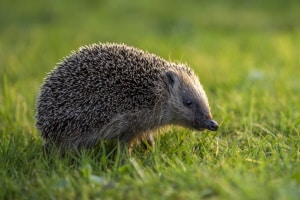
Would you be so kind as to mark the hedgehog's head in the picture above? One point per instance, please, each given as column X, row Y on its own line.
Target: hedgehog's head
column 187, row 101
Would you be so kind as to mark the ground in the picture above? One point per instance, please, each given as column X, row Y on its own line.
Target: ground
column 247, row 56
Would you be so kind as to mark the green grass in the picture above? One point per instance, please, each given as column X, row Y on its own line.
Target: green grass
column 247, row 55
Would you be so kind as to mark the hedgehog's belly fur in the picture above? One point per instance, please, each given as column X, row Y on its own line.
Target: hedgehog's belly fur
column 124, row 127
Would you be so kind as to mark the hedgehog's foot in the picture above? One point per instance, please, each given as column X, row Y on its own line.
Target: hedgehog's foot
column 146, row 141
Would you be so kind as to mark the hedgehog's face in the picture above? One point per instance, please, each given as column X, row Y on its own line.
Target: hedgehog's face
column 188, row 103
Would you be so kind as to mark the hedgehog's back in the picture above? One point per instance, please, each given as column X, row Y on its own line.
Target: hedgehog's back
column 94, row 84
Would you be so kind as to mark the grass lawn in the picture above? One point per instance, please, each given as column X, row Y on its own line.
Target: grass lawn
column 247, row 56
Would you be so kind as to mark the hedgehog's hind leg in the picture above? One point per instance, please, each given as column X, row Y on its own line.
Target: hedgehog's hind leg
column 53, row 145
column 47, row 147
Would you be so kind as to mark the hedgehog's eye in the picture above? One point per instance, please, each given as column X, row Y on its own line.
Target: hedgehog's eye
column 187, row 102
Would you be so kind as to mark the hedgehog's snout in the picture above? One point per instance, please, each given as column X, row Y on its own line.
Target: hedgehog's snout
column 212, row 125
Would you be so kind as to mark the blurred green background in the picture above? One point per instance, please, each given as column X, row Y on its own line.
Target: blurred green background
column 247, row 56
column 234, row 46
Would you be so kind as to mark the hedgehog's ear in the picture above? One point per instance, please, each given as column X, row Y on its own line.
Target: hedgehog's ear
column 171, row 80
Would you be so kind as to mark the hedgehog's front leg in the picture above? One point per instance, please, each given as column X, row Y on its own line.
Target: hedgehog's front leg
column 146, row 140
column 129, row 129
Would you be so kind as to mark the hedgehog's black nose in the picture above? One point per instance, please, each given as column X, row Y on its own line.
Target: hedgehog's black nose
column 212, row 125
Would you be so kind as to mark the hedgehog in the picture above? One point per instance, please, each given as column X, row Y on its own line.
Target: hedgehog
column 113, row 91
